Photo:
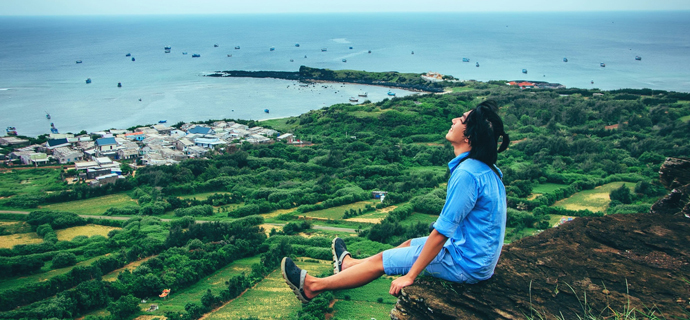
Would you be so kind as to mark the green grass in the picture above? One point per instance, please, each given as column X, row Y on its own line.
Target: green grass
column 201, row 196
column 419, row 217
column 434, row 169
column 339, row 211
column 19, row 282
column 281, row 124
column 461, row 89
column 12, row 227
column 547, row 187
column 30, row 181
column 363, row 301
column 269, row 299
column 93, row 206
column 685, row 119
column 216, row 282
column 594, row 200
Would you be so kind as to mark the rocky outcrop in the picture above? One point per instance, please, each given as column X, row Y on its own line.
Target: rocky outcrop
column 589, row 266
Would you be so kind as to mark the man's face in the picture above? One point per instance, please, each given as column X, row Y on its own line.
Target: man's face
column 456, row 134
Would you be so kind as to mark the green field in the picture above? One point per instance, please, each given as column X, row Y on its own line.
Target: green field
column 13, row 283
column 685, row 119
column 363, row 303
column 547, row 187
column 12, row 227
column 419, row 217
column 269, row 299
column 594, row 200
column 201, row 196
column 87, row 230
column 12, row 240
column 30, row 181
column 339, row 211
column 93, row 206
column 280, row 124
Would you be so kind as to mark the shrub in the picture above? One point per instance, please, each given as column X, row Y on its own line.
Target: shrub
column 64, row 259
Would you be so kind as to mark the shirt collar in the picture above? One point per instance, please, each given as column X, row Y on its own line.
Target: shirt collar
column 454, row 163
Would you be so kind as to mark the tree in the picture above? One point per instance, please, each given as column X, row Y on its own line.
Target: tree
column 208, row 299
column 621, row 194
column 64, row 259
column 124, row 306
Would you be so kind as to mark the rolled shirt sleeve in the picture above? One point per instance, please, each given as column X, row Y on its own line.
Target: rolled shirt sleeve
column 460, row 200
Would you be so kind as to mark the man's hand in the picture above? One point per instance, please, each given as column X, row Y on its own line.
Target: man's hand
column 400, row 283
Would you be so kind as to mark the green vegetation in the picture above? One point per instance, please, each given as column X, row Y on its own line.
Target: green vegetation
column 363, row 302
column 594, row 200
column 94, row 206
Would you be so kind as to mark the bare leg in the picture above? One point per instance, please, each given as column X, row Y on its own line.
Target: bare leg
column 349, row 261
column 367, row 270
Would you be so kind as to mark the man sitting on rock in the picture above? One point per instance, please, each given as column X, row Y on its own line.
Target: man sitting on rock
column 467, row 237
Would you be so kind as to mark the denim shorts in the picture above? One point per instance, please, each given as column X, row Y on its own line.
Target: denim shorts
column 398, row 261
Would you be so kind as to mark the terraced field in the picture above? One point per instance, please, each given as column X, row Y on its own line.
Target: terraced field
column 594, row 200
column 94, row 206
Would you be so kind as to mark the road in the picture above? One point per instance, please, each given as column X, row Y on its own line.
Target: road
column 346, row 230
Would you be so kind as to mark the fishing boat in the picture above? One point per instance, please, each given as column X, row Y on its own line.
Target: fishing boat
column 133, row 59
column 390, row 93
column 324, row 49
column 229, row 56
column 412, row 52
column 272, row 49
column 167, row 50
column 215, row 45
column 128, row 55
column 78, row 61
column 305, row 56
column 602, row 65
column 162, row 121
column 465, row 59
column 119, row 84
column 369, row 51
column 351, row 48
column 195, row 55
column 53, row 129
column 353, row 99
column 524, row 71
column 47, row 115
column 237, row 47
column 638, row 58
column 292, row 60
column 363, row 95
column 266, row 110
column 167, row 47
column 565, row 59
column 297, row 45
column 477, row 65
column 11, row 131
column 344, row 60
column 184, row 53
column 88, row 80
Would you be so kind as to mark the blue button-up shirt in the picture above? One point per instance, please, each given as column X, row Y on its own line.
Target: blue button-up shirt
column 474, row 217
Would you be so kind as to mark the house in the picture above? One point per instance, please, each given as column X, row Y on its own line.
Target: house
column 13, row 141
column 256, row 138
column 53, row 136
column 106, row 144
column 201, row 130
column 84, row 165
column 105, row 179
column 135, row 136
column 17, row 155
column 241, row 132
column 379, row 194
column 67, row 155
column 116, row 132
column 196, row 152
column 289, row 137
column 209, row 142
column 162, row 129
column 35, row 158
column 183, row 144
column 56, row 143
column 128, row 153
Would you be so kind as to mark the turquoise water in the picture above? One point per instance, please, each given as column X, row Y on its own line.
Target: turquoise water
column 38, row 72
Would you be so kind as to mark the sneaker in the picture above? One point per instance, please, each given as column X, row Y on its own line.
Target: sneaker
column 339, row 253
column 294, row 277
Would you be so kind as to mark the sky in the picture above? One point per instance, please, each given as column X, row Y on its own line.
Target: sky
column 148, row 7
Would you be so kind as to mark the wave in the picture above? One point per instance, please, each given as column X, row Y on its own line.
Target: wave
column 4, row 89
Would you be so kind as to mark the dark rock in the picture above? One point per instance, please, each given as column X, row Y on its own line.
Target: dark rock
column 588, row 266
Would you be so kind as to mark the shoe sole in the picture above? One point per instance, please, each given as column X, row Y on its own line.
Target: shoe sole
column 295, row 290
column 335, row 257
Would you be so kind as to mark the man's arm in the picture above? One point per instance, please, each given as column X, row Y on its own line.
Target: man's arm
column 432, row 247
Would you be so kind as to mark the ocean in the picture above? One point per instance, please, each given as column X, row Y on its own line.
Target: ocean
column 39, row 73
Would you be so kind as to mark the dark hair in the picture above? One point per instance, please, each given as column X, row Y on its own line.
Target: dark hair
column 483, row 127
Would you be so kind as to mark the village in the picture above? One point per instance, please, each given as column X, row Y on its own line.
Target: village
column 98, row 157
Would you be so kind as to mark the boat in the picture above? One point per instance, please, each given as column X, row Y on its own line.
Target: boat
column 638, row 58
column 47, row 115
column 477, row 65
column 565, row 59
column 592, row 82
column 53, row 129
column 184, row 52
column 162, row 121
column 266, row 110
column 215, row 45
column 88, row 80
column 128, row 55
column 602, row 65
column 119, row 84
column 11, row 131
column 78, row 61
column 272, row 49
column 305, row 56
column 237, row 47
column 412, row 52
column 369, row 51
column 133, row 59
column 292, row 60
column 351, row 48
column 524, row 71
column 167, row 50
column 297, row 45
column 324, row 49
column 363, row 95
column 353, row 99
column 465, row 59
column 195, row 55
column 390, row 93
column 229, row 56
column 344, row 60
column 167, row 47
